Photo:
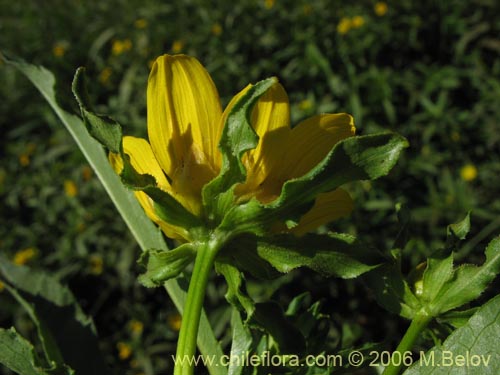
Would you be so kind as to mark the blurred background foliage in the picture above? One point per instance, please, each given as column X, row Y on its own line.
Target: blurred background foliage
column 429, row 70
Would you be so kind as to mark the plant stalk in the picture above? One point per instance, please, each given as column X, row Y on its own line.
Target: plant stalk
column 416, row 327
column 186, row 344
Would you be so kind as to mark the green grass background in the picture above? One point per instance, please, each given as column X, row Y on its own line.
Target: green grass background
column 429, row 70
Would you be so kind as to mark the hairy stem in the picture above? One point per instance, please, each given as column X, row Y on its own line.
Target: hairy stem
column 416, row 327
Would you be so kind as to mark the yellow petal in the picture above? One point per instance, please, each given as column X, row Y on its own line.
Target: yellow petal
column 271, row 122
column 169, row 230
column 144, row 161
column 184, row 121
column 312, row 139
column 327, row 207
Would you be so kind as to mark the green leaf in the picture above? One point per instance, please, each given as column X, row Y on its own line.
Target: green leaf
column 468, row 282
column 237, row 137
column 338, row 255
column 240, row 344
column 439, row 270
column 236, row 294
column 355, row 158
column 18, row 354
column 472, row 349
column 391, row 290
column 163, row 265
column 270, row 317
column 66, row 333
column 459, row 230
column 106, row 130
column 145, row 232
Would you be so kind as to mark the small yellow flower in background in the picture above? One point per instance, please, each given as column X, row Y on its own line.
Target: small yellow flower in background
column 136, row 327
column 121, row 46
column 2, row 286
column 174, row 321
column 344, row 25
column 305, row 105
column 357, row 21
column 124, row 350
column 24, row 158
column 455, row 136
column 24, row 256
column 59, row 49
column 269, row 4
column 140, row 23
column 216, row 29
column 380, row 8
column 105, row 75
column 307, row 9
column 70, row 188
column 177, row 46
column 87, row 173
column 468, row 172
column 96, row 264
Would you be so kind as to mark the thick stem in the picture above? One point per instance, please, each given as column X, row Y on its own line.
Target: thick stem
column 416, row 327
column 186, row 344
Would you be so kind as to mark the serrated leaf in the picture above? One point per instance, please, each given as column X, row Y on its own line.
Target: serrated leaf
column 459, row 230
column 330, row 255
column 18, row 354
column 145, row 232
column 352, row 159
column 163, row 265
column 237, row 137
column 468, row 282
column 438, row 271
column 472, row 349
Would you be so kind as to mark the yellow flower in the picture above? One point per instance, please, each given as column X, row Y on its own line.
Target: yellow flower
column 185, row 122
column 24, row 256
column 307, row 9
column 174, row 321
column 305, row 105
column 269, row 4
column 358, row 21
column 24, row 160
column 59, row 49
column 96, row 264
column 468, row 172
column 2, row 286
column 121, row 46
column 70, row 188
column 124, row 350
column 380, row 8
column 140, row 23
column 216, row 29
column 344, row 25
column 177, row 46
column 105, row 75
column 136, row 327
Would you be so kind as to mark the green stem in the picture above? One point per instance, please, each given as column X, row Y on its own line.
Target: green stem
column 186, row 344
column 416, row 327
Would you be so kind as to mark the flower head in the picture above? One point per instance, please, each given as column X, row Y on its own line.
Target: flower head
column 380, row 8
column 185, row 123
column 24, row 256
column 468, row 172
